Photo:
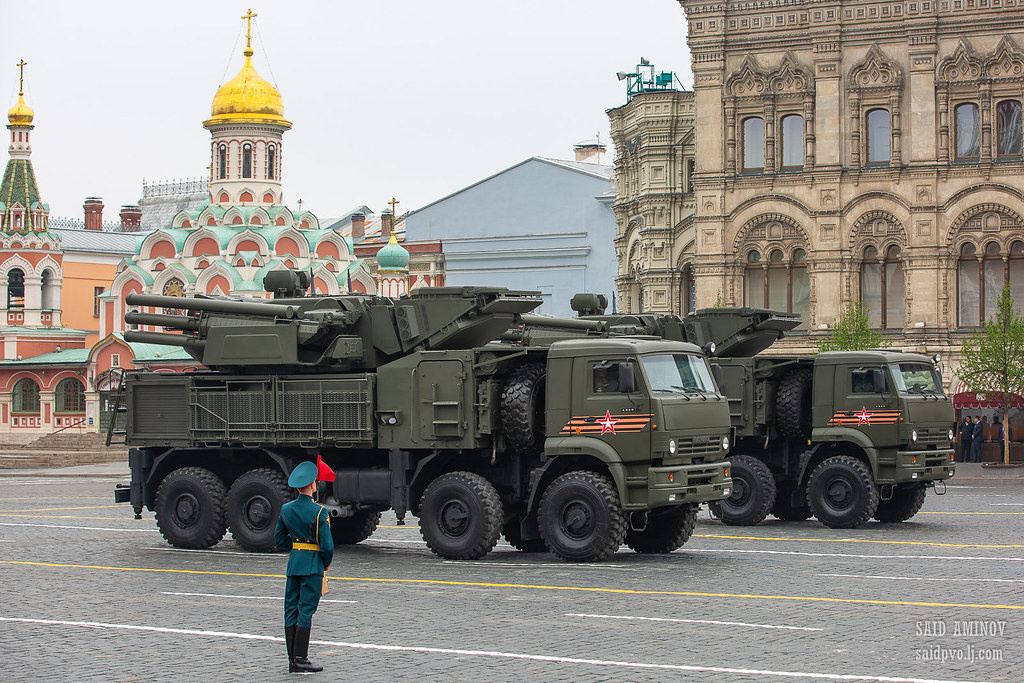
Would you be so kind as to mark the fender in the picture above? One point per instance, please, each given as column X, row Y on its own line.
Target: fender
column 577, row 447
column 820, row 435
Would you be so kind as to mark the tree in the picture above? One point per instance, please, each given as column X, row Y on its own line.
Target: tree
column 993, row 359
column 852, row 332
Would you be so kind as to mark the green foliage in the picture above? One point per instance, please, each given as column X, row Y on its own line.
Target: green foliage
column 993, row 357
column 852, row 332
column 718, row 302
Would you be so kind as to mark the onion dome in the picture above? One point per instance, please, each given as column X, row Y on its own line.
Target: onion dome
column 393, row 256
column 20, row 114
column 247, row 98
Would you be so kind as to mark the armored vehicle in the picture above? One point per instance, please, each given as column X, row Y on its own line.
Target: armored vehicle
column 845, row 436
column 574, row 447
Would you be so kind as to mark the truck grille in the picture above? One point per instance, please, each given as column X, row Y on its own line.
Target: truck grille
column 699, row 445
column 938, row 436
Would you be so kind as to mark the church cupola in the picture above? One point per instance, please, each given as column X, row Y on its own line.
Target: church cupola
column 246, row 125
column 21, row 209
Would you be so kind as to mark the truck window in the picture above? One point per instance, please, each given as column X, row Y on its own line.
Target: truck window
column 606, row 377
column 916, row 378
column 867, row 381
column 678, row 373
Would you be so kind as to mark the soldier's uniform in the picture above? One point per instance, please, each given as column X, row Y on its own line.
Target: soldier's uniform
column 304, row 526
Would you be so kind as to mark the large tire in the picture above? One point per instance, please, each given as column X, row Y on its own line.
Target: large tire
column 793, row 403
column 581, row 518
column 522, row 409
column 906, row 501
column 190, row 508
column 842, row 493
column 784, row 508
column 354, row 529
column 667, row 530
column 254, row 503
column 512, row 531
column 460, row 516
column 753, row 493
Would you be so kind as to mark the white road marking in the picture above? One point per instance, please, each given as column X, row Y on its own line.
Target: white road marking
column 694, row 551
column 1006, row 503
column 246, row 597
column 392, row 540
column 86, row 528
column 918, row 578
column 696, row 621
column 491, row 653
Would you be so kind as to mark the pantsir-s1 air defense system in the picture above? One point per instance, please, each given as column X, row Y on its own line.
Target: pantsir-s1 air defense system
column 845, row 436
column 575, row 446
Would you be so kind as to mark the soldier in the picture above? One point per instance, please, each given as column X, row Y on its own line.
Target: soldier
column 304, row 527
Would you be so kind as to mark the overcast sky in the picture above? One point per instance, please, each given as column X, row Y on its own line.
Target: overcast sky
column 408, row 98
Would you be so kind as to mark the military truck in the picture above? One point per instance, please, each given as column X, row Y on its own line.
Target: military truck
column 845, row 436
column 574, row 447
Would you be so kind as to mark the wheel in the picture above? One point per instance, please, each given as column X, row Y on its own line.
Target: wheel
column 354, row 529
column 793, row 403
column 667, row 529
column 190, row 508
column 784, row 508
column 522, row 409
column 753, row 492
column 460, row 516
column 512, row 531
column 904, row 504
column 254, row 503
column 841, row 493
column 581, row 519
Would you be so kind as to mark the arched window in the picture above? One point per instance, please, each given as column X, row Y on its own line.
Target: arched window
column 1015, row 266
column 778, row 295
column 781, row 284
column 222, row 162
column 969, row 286
column 247, row 160
column 1008, row 118
column 993, row 277
column 883, row 289
column 753, row 281
column 688, row 300
column 792, row 141
column 70, row 396
column 15, row 288
column 800, row 289
column 50, row 301
column 879, row 136
column 967, row 145
column 25, row 397
column 753, row 144
column 271, row 158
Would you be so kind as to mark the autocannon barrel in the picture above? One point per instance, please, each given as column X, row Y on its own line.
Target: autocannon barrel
column 179, row 322
column 563, row 323
column 258, row 308
column 165, row 338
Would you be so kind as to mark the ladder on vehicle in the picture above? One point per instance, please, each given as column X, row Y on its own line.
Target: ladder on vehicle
column 118, row 423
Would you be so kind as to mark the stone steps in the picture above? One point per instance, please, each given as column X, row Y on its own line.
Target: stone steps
column 31, row 458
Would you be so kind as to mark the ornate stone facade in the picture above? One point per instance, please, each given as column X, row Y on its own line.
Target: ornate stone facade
column 654, row 201
column 860, row 151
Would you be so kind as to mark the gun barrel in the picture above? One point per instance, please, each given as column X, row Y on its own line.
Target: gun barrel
column 165, row 338
column 178, row 322
column 563, row 323
column 258, row 308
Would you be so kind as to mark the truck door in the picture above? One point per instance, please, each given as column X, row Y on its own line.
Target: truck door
column 870, row 404
column 611, row 405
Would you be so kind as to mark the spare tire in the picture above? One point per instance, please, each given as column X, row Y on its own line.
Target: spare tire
column 522, row 409
column 793, row 403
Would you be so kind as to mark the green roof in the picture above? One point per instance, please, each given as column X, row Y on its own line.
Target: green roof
column 67, row 357
column 19, row 187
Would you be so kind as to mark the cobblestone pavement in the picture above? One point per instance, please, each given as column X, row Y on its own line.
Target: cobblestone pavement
column 89, row 593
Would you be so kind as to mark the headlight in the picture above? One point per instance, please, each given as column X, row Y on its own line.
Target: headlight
column 913, row 435
column 949, row 434
column 672, row 446
column 725, row 443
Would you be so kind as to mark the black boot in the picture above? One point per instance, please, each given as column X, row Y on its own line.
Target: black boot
column 289, row 641
column 300, row 651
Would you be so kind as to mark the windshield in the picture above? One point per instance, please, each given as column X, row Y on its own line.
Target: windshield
column 916, row 378
column 678, row 373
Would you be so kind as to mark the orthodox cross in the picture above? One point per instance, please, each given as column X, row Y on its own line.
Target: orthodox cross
column 21, row 76
column 394, row 214
column 248, row 16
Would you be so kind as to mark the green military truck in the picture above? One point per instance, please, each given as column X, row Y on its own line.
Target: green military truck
column 845, row 436
column 574, row 447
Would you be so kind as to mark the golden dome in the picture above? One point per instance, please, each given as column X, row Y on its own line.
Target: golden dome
column 247, row 98
column 20, row 114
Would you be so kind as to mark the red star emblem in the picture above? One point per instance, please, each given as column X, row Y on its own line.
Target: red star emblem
column 607, row 424
column 863, row 417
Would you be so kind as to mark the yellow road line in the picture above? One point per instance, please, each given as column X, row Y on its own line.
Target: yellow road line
column 60, row 498
column 87, row 507
column 853, row 540
column 520, row 586
column 5, row 514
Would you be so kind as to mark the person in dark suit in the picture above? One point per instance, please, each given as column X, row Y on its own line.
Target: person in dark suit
column 966, row 429
column 976, row 437
column 304, row 527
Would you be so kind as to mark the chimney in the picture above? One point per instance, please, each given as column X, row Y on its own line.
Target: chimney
column 358, row 226
column 387, row 222
column 93, row 213
column 589, row 152
column 131, row 218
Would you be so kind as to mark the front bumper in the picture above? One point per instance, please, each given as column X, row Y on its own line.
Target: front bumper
column 687, row 484
column 915, row 466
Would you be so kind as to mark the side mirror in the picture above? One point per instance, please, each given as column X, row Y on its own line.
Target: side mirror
column 878, row 380
column 627, row 382
column 716, row 372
